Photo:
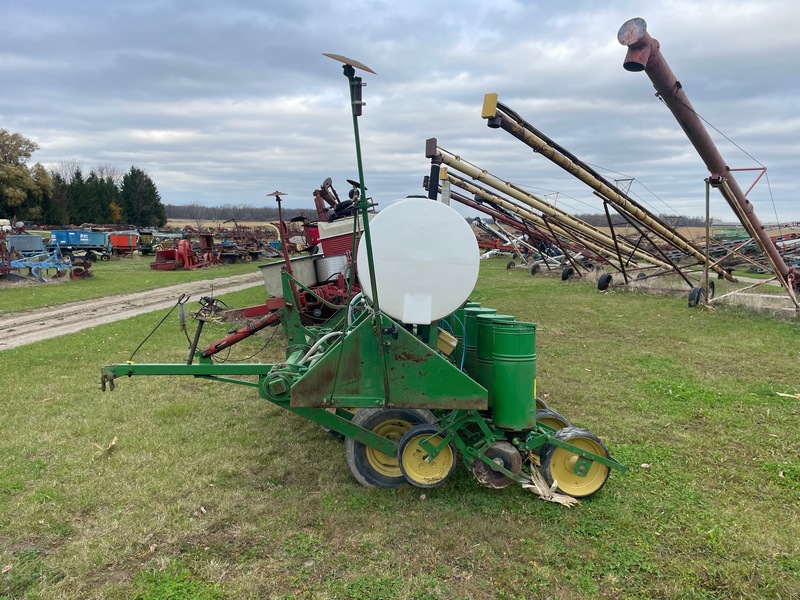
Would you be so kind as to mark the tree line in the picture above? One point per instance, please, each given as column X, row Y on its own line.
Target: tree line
column 66, row 196
column 230, row 212
column 675, row 221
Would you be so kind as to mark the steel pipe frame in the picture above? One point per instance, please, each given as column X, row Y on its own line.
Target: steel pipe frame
column 457, row 163
column 603, row 253
column 535, row 222
column 500, row 116
column 644, row 54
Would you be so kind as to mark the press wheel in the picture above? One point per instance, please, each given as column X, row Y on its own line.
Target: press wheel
column 371, row 467
column 558, row 464
column 414, row 463
column 505, row 455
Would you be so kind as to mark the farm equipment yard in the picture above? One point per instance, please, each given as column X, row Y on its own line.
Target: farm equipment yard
column 373, row 411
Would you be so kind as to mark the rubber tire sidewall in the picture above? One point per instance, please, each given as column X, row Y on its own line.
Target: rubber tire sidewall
column 356, row 452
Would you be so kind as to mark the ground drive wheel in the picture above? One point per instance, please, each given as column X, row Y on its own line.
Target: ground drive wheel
column 371, row 467
column 414, row 463
column 559, row 464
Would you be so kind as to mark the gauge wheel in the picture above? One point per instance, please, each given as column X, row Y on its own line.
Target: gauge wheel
column 536, row 269
column 511, row 264
column 540, row 403
column 414, row 465
column 505, row 455
column 567, row 273
column 551, row 418
column 604, row 281
column 558, row 464
column 371, row 467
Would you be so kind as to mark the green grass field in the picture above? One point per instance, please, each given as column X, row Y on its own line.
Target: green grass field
column 210, row 492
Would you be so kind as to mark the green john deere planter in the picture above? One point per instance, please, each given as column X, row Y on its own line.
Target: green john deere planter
column 409, row 373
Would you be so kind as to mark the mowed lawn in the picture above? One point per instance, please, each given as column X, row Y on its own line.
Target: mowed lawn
column 210, row 492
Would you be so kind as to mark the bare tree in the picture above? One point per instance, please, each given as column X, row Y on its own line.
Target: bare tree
column 107, row 170
column 66, row 169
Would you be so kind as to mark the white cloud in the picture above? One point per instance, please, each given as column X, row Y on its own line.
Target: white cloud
column 224, row 102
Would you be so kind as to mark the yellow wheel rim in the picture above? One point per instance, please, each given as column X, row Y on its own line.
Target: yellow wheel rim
column 553, row 422
column 384, row 464
column 562, row 468
column 416, row 464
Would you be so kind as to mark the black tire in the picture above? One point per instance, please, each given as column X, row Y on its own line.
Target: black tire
column 106, row 257
column 370, row 467
column 552, row 418
column 415, row 469
column 712, row 288
column 541, row 404
column 67, row 256
column 567, row 273
column 557, row 463
column 696, row 296
column 511, row 264
column 536, row 269
column 604, row 281
column 641, row 276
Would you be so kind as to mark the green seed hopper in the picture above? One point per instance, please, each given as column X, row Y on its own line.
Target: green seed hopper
column 411, row 375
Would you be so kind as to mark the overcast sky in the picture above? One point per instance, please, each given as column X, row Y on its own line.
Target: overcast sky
column 224, row 102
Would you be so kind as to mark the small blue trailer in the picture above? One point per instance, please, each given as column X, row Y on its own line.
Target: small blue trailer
column 90, row 244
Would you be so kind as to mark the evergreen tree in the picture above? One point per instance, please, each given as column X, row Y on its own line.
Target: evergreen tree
column 56, row 208
column 141, row 202
column 78, row 208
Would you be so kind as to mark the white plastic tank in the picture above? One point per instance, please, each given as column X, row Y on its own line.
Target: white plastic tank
column 426, row 260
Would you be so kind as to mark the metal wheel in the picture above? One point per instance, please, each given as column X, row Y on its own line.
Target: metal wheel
column 414, row 465
column 371, row 467
column 78, row 273
column 505, row 455
column 560, row 465
column 551, row 418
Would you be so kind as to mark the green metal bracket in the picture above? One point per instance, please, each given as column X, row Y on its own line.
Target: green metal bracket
column 350, row 374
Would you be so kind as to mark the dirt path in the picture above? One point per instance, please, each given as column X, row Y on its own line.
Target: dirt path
column 18, row 329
